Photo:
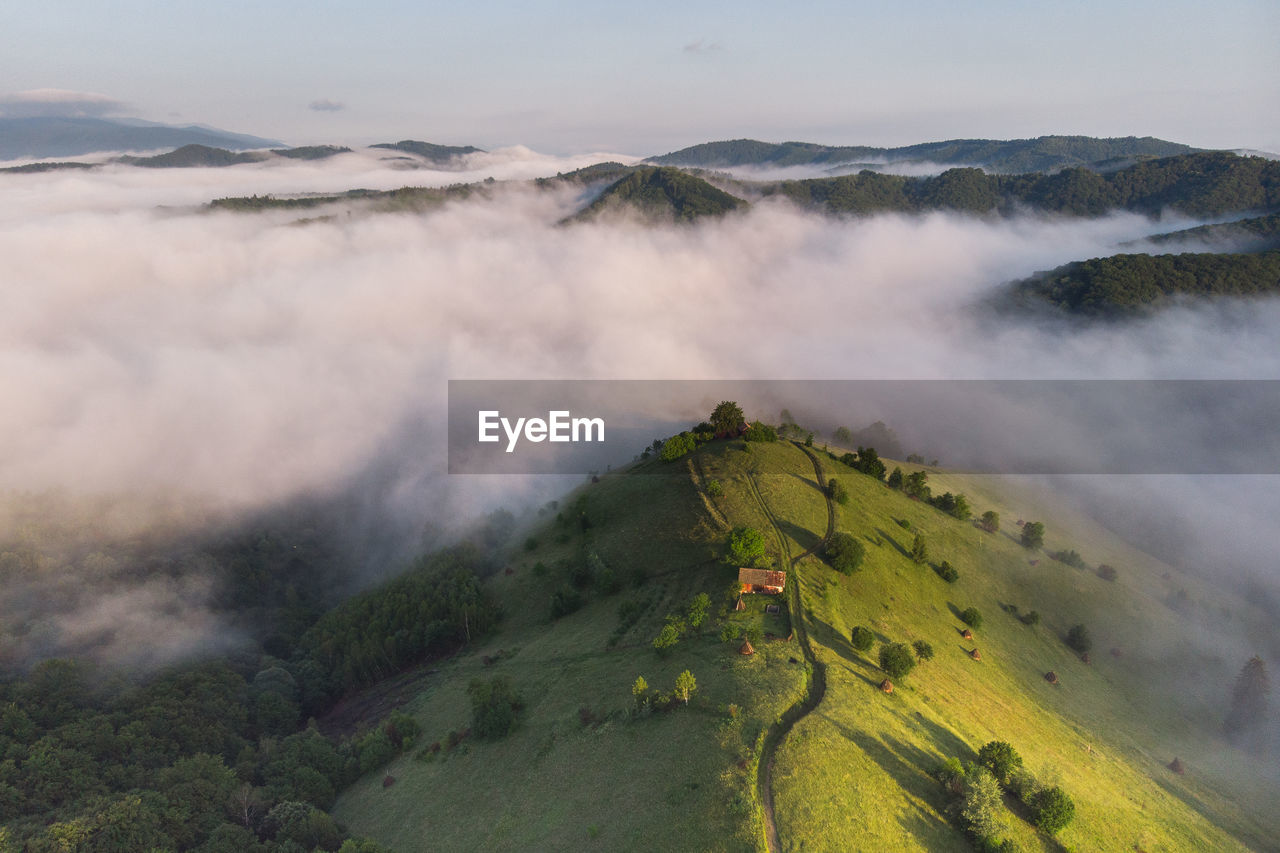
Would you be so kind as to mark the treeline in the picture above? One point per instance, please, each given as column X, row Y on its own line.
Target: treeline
column 1201, row 184
column 209, row 755
column 1125, row 284
column 405, row 199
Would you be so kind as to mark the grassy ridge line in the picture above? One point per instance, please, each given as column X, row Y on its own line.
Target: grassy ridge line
column 816, row 689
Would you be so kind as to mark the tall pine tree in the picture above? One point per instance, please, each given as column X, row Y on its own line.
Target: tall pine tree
column 1245, row 724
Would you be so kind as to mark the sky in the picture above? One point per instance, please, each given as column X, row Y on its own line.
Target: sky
column 570, row 76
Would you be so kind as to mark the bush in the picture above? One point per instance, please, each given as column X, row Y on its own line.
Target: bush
column 746, row 547
column 1051, row 810
column 1022, row 784
column 531, row 544
column 729, row 632
column 845, row 553
column 676, row 446
column 1000, row 758
column 1033, row 535
column 897, row 660
column 666, row 639
column 1107, row 573
column 923, row 650
column 758, row 431
column 837, row 492
column 862, row 639
column 919, row 550
column 494, row 707
column 714, row 489
column 1071, row 558
column 990, row 521
column 1078, row 638
column 947, row 572
column 1032, row 617
column 564, row 601
column 971, row 617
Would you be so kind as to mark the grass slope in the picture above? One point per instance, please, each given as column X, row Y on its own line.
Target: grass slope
column 853, row 774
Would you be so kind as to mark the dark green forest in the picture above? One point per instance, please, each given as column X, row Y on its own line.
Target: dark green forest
column 1124, row 285
column 664, row 194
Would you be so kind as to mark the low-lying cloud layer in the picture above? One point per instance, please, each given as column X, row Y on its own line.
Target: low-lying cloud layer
column 249, row 360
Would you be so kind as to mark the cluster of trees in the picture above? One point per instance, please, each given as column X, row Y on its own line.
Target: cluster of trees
column 1123, row 285
column 1199, row 184
column 679, row 625
column 845, row 553
column 866, row 461
column 647, row 700
column 495, row 707
column 977, row 795
column 916, row 485
column 186, row 759
column 745, row 547
column 1032, row 537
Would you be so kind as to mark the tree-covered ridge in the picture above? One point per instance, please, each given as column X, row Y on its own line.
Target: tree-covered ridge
column 1204, row 184
column 1253, row 233
column 429, row 150
column 1123, row 285
column 663, row 194
column 399, row 200
column 1016, row 155
column 311, row 152
column 195, row 156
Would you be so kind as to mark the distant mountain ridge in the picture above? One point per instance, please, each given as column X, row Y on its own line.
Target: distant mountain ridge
column 1044, row 153
column 40, row 137
column 429, row 150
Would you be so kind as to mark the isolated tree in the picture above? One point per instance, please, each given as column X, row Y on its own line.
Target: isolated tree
column 923, row 650
column 714, row 489
column 685, row 685
column 948, row 572
column 1249, row 700
column 494, row 706
column 726, row 418
column 845, row 552
column 991, row 521
column 1033, row 535
column 897, row 659
column 1051, row 810
column 746, row 546
column 837, row 491
column 1078, row 638
column 1000, row 758
column 639, row 691
column 667, row 639
column 971, row 617
column 919, row 550
column 862, row 639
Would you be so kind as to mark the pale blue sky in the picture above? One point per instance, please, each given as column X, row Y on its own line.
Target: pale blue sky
column 573, row 76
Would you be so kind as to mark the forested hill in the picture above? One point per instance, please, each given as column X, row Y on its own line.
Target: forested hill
column 662, row 194
column 1209, row 183
column 429, row 150
column 1250, row 234
column 1041, row 154
column 1126, row 285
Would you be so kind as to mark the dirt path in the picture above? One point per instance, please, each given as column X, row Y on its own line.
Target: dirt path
column 817, row 687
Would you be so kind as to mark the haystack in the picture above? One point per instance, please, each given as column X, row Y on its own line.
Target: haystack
column 1085, row 657
column 975, row 654
column 1051, row 677
column 746, row 648
column 886, row 686
column 388, row 781
column 966, row 634
column 739, row 605
column 1177, row 766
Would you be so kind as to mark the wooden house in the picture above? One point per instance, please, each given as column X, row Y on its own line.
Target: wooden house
column 762, row 580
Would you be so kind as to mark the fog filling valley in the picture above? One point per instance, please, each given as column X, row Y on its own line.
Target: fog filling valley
column 242, row 362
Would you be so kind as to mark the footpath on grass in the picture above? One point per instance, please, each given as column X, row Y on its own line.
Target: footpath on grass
column 815, row 669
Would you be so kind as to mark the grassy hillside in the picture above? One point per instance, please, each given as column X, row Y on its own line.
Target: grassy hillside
column 580, row 772
column 1042, row 154
column 661, row 194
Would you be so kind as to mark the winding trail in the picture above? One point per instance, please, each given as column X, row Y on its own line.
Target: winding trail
column 817, row 687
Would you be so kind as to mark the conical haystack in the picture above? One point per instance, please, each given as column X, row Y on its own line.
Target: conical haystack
column 746, row 648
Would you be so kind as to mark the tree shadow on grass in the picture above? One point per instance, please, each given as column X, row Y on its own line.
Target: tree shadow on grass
column 809, row 481
column 1256, row 839
column 908, row 765
column 894, row 542
column 822, row 633
column 804, row 537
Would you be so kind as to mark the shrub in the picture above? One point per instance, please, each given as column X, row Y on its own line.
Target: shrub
column 1107, row 573
column 904, row 524
column 919, row 550
column 676, row 446
column 862, row 639
column 1000, row 758
column 895, row 479
column 1031, row 617
column 1071, row 558
column 971, row 617
column 714, row 489
column 494, row 707
column 1033, row 535
column 846, row 553
column 758, row 431
column 1051, row 810
column 947, row 572
column 897, row 660
column 923, row 650
column 698, row 607
column 1078, row 638
column 837, row 492
column 531, row 544
column 666, row 639
column 746, row 546
column 729, row 632
column 564, row 601
column 991, row 521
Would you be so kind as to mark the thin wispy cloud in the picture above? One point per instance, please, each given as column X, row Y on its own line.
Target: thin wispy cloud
column 703, row 46
column 59, row 103
column 326, row 105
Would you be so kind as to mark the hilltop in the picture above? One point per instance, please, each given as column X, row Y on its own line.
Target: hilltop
column 661, row 194
column 603, row 574
column 1042, row 154
column 437, row 154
